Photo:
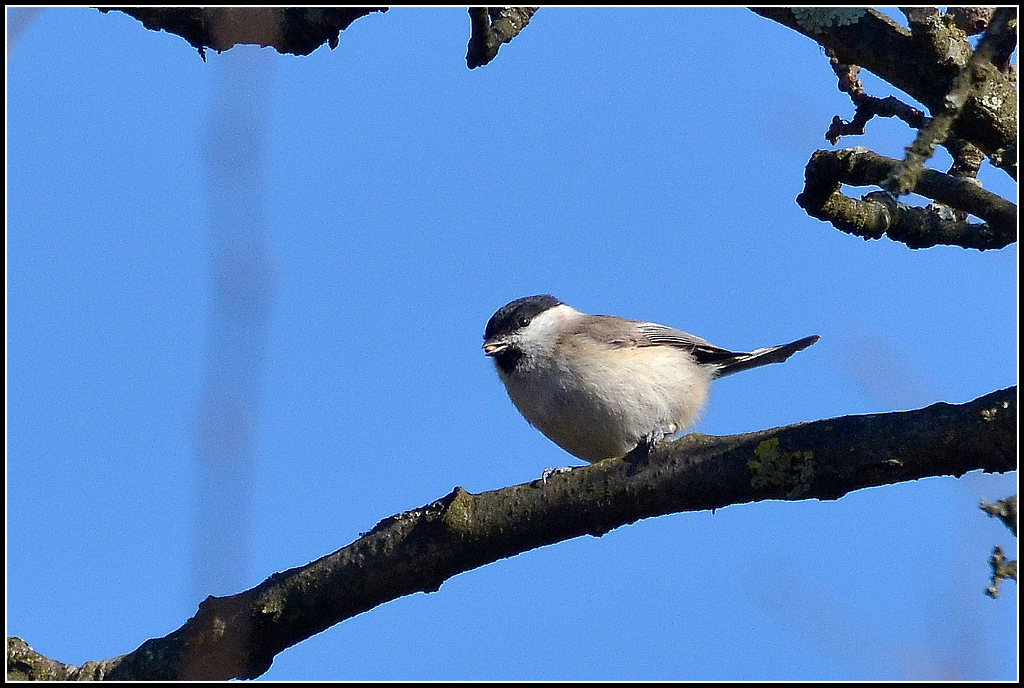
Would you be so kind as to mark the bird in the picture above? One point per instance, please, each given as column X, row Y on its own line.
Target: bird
column 601, row 386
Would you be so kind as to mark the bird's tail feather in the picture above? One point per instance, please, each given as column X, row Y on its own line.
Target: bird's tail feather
column 760, row 357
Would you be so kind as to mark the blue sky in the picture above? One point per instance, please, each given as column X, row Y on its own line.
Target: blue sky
column 639, row 162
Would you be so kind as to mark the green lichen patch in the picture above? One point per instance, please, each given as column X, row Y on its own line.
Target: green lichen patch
column 774, row 468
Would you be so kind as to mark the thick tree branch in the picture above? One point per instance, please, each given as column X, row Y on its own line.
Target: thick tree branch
column 416, row 551
column 970, row 20
column 878, row 214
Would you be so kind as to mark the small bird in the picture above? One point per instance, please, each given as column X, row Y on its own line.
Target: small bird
column 599, row 386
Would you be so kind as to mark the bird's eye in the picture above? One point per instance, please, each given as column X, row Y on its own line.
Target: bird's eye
column 523, row 321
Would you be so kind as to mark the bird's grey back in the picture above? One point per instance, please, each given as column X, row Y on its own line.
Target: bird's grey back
column 615, row 332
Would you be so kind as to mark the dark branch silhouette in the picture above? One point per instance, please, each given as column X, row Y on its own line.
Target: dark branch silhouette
column 289, row 30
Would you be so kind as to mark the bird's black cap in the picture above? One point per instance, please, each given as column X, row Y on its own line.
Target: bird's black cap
column 518, row 313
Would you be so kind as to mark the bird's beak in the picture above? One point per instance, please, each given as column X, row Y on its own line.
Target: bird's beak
column 494, row 347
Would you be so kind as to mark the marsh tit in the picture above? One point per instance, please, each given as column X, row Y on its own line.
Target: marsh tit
column 598, row 386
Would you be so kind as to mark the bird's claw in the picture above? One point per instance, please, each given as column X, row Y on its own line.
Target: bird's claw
column 548, row 472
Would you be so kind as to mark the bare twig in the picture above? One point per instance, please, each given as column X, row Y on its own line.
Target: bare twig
column 1005, row 510
column 1002, row 569
column 868, row 106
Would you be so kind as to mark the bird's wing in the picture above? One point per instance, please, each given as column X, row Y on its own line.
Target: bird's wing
column 702, row 350
column 619, row 333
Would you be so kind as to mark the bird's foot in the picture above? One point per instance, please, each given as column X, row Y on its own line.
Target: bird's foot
column 548, row 472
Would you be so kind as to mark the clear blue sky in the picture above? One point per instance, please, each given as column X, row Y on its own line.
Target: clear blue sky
column 640, row 162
